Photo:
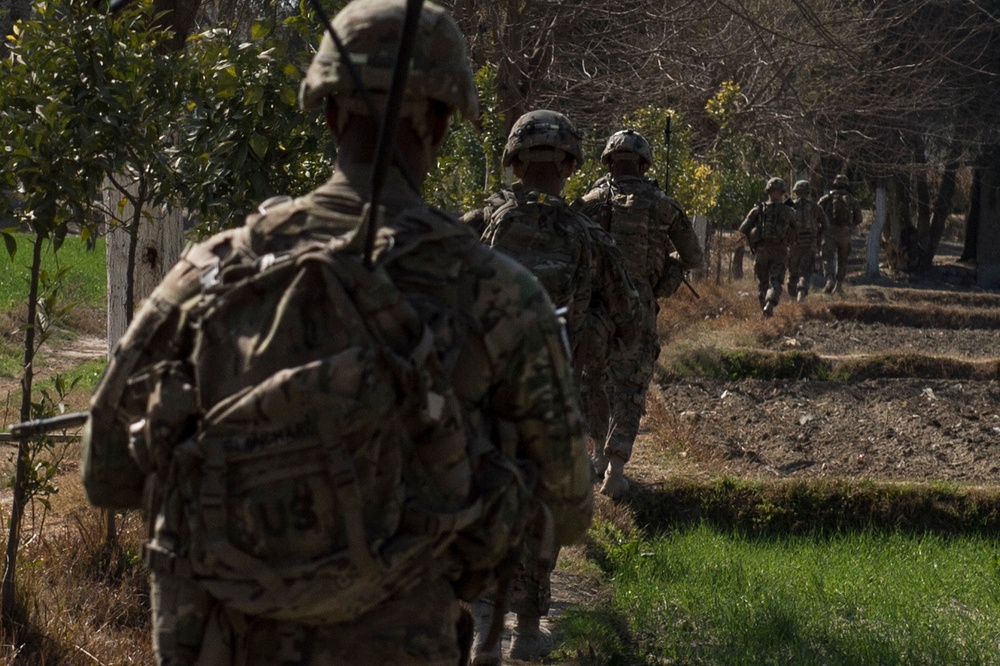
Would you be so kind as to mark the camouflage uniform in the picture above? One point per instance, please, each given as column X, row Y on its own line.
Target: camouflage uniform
column 770, row 227
column 647, row 225
column 610, row 323
column 493, row 328
column 844, row 214
column 538, row 230
column 802, row 254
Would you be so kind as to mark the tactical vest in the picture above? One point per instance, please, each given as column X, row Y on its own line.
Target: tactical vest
column 840, row 209
column 808, row 225
column 632, row 220
column 771, row 223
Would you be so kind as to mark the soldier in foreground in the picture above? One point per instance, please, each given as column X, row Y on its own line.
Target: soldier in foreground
column 338, row 518
column 770, row 227
column 802, row 254
column 531, row 223
column 647, row 225
column 844, row 214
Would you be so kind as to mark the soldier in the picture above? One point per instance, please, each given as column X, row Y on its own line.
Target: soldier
column 647, row 226
column 770, row 227
column 531, row 222
column 802, row 254
column 844, row 214
column 578, row 266
column 490, row 326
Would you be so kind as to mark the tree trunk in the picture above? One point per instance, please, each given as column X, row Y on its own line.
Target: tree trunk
column 988, row 247
column 139, row 256
column 939, row 216
column 970, row 249
column 8, row 588
column 875, row 233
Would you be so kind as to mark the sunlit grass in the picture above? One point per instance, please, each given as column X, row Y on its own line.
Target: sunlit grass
column 85, row 283
column 705, row 597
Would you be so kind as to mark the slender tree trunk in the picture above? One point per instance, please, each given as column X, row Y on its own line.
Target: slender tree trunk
column 8, row 591
column 970, row 249
column 875, row 233
column 988, row 248
column 939, row 215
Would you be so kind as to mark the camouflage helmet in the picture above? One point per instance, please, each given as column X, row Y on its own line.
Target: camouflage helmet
column 543, row 129
column 801, row 186
column 775, row 184
column 841, row 181
column 369, row 30
column 628, row 144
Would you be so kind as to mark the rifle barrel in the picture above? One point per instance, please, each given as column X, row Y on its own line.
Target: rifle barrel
column 28, row 429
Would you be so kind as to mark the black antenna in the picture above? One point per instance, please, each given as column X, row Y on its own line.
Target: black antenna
column 386, row 144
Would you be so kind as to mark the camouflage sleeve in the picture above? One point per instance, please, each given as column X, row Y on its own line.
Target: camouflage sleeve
column 684, row 239
column 534, row 392
column 749, row 222
column 589, row 205
column 111, row 478
column 583, row 281
column 793, row 225
column 612, row 285
column 477, row 220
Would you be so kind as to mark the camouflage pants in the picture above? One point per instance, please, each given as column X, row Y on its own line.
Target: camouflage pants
column 836, row 252
column 190, row 628
column 631, row 370
column 801, row 260
column 590, row 363
column 769, row 269
column 530, row 591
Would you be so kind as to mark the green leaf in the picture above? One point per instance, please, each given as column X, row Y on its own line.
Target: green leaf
column 258, row 144
column 11, row 244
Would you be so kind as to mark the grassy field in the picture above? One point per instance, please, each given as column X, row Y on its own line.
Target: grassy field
column 85, row 281
column 701, row 596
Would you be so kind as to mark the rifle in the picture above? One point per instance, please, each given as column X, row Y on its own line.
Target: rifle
column 687, row 284
column 27, row 429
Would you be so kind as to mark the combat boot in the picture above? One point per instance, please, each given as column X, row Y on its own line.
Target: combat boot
column 531, row 641
column 599, row 461
column 482, row 618
column 768, row 309
column 615, row 484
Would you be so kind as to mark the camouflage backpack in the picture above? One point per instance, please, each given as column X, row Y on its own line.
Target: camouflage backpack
column 328, row 467
column 542, row 234
column 630, row 219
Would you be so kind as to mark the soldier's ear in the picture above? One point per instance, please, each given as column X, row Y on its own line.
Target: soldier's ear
column 438, row 120
column 567, row 167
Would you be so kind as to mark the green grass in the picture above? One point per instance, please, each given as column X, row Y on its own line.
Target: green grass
column 85, row 282
column 700, row 596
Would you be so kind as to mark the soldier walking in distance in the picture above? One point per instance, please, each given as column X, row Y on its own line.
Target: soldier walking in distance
column 802, row 254
column 844, row 214
column 648, row 227
column 531, row 223
column 770, row 227
column 325, row 428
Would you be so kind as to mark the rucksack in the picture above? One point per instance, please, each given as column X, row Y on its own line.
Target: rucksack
column 329, row 468
column 543, row 235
